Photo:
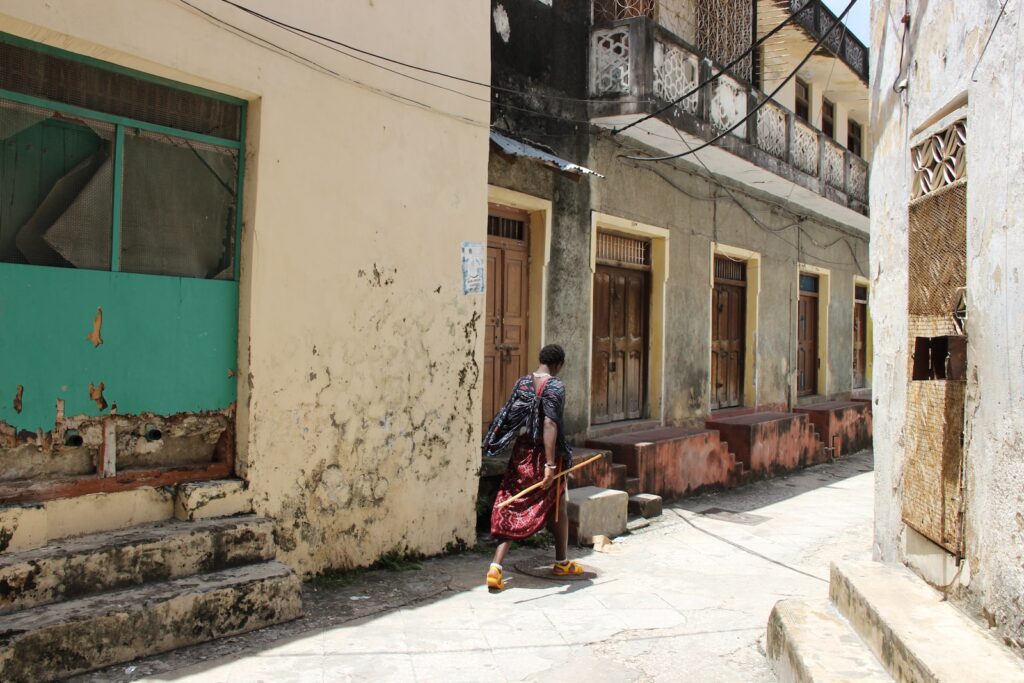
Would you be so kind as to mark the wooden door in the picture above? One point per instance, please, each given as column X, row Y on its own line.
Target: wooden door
column 807, row 337
column 860, row 338
column 619, row 364
column 506, row 330
column 728, row 333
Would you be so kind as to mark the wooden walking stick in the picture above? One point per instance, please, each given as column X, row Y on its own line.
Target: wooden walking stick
column 534, row 487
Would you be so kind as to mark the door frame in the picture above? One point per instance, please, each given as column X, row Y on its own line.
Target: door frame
column 659, row 239
column 752, row 305
column 539, row 244
column 824, row 276
column 859, row 281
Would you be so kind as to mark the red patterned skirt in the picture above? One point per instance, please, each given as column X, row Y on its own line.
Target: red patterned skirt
column 527, row 515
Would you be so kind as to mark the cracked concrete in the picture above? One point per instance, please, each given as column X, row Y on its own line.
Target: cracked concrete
column 685, row 599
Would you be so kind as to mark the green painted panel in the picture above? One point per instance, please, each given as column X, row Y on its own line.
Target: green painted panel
column 168, row 343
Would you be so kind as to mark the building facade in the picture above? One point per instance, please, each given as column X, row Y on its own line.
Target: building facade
column 202, row 279
column 945, row 204
column 726, row 282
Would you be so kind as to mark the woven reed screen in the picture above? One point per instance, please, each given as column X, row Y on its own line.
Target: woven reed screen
column 932, row 501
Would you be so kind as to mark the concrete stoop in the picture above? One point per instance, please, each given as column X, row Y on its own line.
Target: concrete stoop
column 810, row 642
column 83, row 603
column 910, row 632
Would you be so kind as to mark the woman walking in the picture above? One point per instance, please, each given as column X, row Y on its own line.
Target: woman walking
column 532, row 417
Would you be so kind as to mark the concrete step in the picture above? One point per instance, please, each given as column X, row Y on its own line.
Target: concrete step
column 594, row 511
column 844, row 426
column 770, row 443
column 915, row 633
column 602, row 472
column 810, row 642
column 646, row 505
column 632, row 484
column 56, row 641
column 673, row 461
column 159, row 551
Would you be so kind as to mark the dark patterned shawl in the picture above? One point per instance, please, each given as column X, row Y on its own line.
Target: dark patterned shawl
column 524, row 409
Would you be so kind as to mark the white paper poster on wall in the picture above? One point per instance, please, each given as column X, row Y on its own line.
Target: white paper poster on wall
column 473, row 267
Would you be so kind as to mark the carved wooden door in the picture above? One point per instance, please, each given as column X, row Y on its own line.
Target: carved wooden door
column 728, row 333
column 807, row 337
column 507, row 298
column 619, row 365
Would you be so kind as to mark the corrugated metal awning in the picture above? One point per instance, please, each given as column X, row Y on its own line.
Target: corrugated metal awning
column 519, row 148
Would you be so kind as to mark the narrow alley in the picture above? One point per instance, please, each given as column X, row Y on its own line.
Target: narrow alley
column 685, row 599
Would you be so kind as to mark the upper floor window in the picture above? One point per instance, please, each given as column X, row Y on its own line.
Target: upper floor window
column 828, row 118
column 103, row 168
column 803, row 100
column 854, row 136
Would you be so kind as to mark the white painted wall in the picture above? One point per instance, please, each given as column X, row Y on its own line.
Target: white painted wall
column 943, row 46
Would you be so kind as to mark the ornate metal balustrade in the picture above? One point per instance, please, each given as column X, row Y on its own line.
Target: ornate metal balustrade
column 637, row 66
column 817, row 20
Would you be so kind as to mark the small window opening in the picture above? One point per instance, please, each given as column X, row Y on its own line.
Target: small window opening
column 803, row 100
column 854, row 135
column 940, row 358
column 828, row 118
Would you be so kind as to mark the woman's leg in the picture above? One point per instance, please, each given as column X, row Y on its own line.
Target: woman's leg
column 500, row 552
column 561, row 531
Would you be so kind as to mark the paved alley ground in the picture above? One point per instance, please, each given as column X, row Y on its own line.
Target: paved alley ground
column 685, row 599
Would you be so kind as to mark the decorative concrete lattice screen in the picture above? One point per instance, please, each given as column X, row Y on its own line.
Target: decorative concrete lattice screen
column 937, row 272
column 724, row 31
column 940, row 160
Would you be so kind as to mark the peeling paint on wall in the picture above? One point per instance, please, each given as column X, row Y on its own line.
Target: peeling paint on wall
column 501, row 23
column 97, row 325
column 19, row 394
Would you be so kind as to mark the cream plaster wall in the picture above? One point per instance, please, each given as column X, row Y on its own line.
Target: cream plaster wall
column 359, row 353
column 946, row 66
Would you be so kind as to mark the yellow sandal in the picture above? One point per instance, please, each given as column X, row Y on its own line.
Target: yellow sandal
column 495, row 581
column 567, row 568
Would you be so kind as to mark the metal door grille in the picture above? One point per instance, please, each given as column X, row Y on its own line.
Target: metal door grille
column 619, row 250
column 506, row 228
column 730, row 269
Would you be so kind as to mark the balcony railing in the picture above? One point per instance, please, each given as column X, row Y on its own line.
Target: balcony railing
column 818, row 19
column 637, row 66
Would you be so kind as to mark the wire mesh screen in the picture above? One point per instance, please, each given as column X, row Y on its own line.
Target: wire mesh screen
column 56, row 189
column 724, row 30
column 62, row 80
column 937, row 262
column 179, row 202
column 616, row 249
column 613, row 10
column 937, row 256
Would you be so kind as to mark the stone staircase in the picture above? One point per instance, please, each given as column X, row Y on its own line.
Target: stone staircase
column 771, row 443
column 843, row 426
column 883, row 623
column 78, row 603
column 673, row 462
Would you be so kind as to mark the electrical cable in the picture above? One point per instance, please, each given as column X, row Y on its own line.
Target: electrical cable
column 718, row 75
column 321, row 39
column 264, row 43
column 903, row 45
column 999, row 17
column 761, row 104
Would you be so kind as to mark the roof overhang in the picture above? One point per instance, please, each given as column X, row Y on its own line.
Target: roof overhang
column 513, row 147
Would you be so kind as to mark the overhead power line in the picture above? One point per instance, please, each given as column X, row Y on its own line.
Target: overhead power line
column 763, row 102
column 718, row 75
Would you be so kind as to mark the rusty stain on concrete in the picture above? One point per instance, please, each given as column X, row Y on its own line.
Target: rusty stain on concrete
column 96, row 394
column 97, row 325
column 19, row 394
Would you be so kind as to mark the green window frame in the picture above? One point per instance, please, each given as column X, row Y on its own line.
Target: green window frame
column 123, row 123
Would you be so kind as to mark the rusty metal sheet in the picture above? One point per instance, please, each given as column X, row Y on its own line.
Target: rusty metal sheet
column 521, row 148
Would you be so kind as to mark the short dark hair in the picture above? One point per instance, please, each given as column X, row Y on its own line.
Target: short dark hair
column 552, row 354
